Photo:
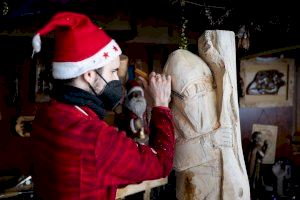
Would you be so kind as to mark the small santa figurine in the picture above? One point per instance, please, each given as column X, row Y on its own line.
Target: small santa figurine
column 134, row 116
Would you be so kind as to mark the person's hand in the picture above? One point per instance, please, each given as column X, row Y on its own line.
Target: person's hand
column 144, row 83
column 159, row 89
column 222, row 137
column 20, row 127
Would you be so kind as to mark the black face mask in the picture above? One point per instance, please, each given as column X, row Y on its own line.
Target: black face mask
column 112, row 94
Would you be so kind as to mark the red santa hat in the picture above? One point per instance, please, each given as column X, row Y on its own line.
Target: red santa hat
column 80, row 45
column 132, row 86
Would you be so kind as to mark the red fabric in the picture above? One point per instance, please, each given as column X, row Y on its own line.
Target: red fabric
column 81, row 157
column 77, row 38
column 131, row 84
column 285, row 151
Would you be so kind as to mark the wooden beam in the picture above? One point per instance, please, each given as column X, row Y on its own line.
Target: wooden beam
column 279, row 50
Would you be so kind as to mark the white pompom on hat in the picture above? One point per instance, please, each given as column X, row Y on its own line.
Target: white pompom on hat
column 80, row 45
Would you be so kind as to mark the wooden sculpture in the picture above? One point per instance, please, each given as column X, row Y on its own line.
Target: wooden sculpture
column 208, row 161
column 217, row 49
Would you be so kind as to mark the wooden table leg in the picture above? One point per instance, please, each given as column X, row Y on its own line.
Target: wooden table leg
column 147, row 194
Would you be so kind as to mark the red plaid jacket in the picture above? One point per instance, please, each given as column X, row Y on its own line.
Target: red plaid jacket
column 78, row 156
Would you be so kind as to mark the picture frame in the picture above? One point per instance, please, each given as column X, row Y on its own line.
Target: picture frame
column 269, row 134
column 267, row 82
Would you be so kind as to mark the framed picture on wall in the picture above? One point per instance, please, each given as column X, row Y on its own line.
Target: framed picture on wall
column 267, row 83
column 268, row 138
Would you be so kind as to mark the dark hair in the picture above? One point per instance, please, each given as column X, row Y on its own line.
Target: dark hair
column 255, row 134
column 58, row 83
column 61, row 82
column 99, row 70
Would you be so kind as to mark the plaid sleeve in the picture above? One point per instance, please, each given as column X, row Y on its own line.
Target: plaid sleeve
column 120, row 160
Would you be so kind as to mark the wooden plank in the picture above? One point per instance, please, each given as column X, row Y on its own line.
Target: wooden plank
column 268, row 52
column 143, row 186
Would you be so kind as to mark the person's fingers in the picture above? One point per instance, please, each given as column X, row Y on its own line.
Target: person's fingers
column 152, row 80
column 28, row 118
column 144, row 82
column 152, row 74
column 164, row 79
column 169, row 79
column 158, row 78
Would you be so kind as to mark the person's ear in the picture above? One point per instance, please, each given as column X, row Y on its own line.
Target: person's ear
column 89, row 76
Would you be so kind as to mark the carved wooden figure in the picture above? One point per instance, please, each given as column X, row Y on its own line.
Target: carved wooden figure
column 208, row 159
column 217, row 49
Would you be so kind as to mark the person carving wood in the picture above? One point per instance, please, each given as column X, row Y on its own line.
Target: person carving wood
column 76, row 154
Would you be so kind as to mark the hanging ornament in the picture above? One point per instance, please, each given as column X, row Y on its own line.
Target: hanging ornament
column 223, row 17
column 183, row 44
column 212, row 20
column 245, row 41
column 243, row 36
column 183, row 37
column 239, row 35
column 5, row 8
column 209, row 16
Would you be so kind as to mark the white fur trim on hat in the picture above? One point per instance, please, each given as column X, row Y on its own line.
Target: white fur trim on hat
column 67, row 70
column 135, row 88
column 36, row 44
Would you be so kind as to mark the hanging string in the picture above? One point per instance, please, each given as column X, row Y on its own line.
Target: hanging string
column 267, row 117
column 212, row 20
column 203, row 5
